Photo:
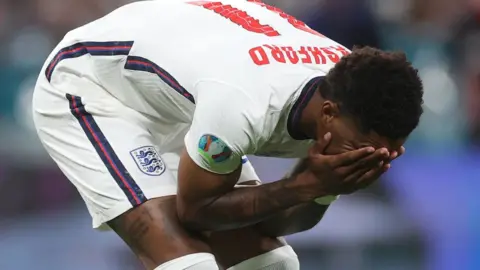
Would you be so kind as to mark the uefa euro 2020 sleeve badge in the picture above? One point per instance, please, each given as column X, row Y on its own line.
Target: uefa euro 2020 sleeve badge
column 148, row 160
column 213, row 149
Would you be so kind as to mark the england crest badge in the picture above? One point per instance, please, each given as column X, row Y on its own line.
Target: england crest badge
column 148, row 160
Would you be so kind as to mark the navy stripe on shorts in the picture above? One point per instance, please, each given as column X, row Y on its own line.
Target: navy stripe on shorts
column 118, row 171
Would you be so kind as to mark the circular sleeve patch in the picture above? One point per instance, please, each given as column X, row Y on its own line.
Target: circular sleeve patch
column 213, row 150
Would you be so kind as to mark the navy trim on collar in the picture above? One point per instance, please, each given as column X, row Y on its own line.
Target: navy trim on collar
column 300, row 104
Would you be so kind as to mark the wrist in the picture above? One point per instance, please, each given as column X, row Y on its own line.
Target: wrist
column 307, row 187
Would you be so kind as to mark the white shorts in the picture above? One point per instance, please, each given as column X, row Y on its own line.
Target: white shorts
column 115, row 156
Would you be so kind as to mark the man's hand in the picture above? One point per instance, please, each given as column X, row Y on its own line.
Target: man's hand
column 344, row 173
column 305, row 216
column 396, row 154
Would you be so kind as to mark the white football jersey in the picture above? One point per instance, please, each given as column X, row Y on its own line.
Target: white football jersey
column 233, row 74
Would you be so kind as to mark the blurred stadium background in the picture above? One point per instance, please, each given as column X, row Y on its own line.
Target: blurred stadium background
column 425, row 213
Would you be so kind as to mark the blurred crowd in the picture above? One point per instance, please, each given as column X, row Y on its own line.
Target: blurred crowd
column 424, row 201
column 440, row 36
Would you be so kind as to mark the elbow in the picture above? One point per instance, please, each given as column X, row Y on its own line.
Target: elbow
column 186, row 213
column 281, row 231
column 304, row 225
column 278, row 228
column 302, row 228
column 189, row 216
column 286, row 230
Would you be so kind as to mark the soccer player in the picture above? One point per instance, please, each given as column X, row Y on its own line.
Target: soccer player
column 150, row 111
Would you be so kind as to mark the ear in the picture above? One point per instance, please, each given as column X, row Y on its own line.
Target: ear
column 330, row 111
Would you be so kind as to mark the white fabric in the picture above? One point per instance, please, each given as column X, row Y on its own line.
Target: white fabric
column 283, row 258
column 197, row 261
column 150, row 79
column 124, row 129
column 243, row 80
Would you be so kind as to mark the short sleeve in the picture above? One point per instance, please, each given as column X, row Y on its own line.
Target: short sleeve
column 248, row 172
column 224, row 128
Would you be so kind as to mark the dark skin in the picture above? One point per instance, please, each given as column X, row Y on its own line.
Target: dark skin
column 248, row 242
column 305, row 216
column 295, row 219
column 263, row 237
column 346, row 138
column 208, row 202
column 153, row 232
column 342, row 162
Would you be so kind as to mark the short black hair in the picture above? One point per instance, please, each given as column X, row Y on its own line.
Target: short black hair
column 381, row 90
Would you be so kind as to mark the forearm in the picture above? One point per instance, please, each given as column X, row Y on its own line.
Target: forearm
column 295, row 219
column 242, row 207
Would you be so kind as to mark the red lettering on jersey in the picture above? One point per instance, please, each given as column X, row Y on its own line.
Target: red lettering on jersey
column 277, row 54
column 259, row 56
column 341, row 49
column 331, row 55
column 238, row 17
column 292, row 20
column 199, row 3
column 305, row 55
column 306, row 59
column 317, row 55
column 291, row 54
